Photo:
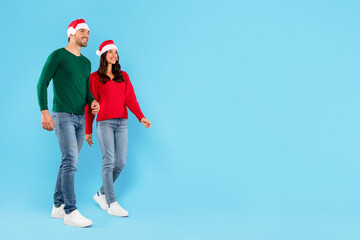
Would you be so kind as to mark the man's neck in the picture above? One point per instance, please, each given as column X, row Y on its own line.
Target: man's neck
column 73, row 48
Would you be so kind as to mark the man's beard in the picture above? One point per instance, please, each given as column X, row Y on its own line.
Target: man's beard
column 80, row 43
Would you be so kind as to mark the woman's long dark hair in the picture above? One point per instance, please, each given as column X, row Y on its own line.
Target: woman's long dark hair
column 116, row 70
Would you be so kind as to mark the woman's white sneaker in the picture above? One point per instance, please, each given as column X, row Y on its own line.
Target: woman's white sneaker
column 58, row 212
column 101, row 200
column 116, row 210
column 76, row 219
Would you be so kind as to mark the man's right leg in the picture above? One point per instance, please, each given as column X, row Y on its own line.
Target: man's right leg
column 66, row 127
column 66, row 134
column 58, row 196
column 59, row 204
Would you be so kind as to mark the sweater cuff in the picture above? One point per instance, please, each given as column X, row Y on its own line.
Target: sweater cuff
column 141, row 116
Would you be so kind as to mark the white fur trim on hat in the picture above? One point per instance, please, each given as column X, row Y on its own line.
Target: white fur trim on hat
column 106, row 48
column 72, row 31
column 82, row 26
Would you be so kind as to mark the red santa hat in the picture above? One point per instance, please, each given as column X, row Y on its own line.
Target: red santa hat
column 76, row 25
column 105, row 46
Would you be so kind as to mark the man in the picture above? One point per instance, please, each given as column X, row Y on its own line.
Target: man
column 70, row 72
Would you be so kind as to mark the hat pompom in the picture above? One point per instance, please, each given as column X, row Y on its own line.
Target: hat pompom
column 98, row 52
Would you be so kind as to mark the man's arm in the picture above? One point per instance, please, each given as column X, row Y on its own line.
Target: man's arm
column 95, row 107
column 47, row 73
column 47, row 121
column 89, row 96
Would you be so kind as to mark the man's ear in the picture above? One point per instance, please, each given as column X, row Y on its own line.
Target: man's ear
column 70, row 36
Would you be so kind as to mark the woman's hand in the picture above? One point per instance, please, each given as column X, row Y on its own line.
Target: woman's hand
column 88, row 138
column 146, row 122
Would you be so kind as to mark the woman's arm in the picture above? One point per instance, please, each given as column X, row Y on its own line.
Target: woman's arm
column 130, row 98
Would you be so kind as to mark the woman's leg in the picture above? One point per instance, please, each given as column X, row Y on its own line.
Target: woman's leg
column 120, row 152
column 106, row 136
column 121, row 145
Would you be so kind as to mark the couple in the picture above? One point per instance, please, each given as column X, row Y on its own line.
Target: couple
column 77, row 99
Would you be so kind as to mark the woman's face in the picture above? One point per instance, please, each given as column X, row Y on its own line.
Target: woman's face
column 111, row 56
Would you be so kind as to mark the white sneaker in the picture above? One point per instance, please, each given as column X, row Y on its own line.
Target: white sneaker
column 76, row 219
column 116, row 210
column 101, row 200
column 58, row 212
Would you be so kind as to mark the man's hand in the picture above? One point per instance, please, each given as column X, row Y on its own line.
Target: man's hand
column 47, row 121
column 88, row 138
column 146, row 122
column 95, row 107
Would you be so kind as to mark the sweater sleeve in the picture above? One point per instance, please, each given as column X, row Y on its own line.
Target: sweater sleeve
column 89, row 96
column 94, row 86
column 49, row 70
column 89, row 117
column 130, row 98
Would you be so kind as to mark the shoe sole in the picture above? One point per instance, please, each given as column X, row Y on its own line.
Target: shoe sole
column 117, row 215
column 74, row 225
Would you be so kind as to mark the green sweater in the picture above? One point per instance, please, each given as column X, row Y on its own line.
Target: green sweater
column 71, row 82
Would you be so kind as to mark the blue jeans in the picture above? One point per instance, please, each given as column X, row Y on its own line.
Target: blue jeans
column 70, row 131
column 113, row 139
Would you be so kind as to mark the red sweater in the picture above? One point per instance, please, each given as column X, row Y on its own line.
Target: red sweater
column 113, row 98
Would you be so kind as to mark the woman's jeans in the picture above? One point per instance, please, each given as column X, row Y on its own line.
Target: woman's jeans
column 113, row 139
column 70, row 131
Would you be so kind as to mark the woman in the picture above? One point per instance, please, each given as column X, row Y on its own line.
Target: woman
column 112, row 88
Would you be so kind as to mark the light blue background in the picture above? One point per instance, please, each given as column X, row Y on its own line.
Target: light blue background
column 255, row 120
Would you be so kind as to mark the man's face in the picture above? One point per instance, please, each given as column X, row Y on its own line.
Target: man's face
column 81, row 37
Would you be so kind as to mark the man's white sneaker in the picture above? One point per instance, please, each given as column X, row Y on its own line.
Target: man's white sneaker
column 101, row 200
column 76, row 219
column 116, row 210
column 58, row 212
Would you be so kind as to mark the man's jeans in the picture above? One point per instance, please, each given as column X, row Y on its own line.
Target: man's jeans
column 113, row 140
column 70, row 131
